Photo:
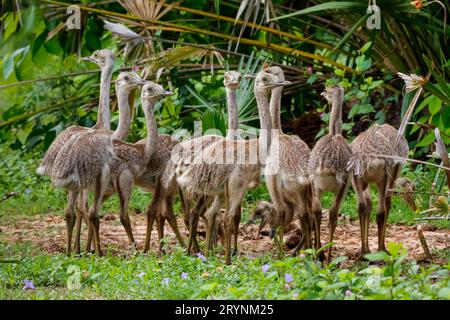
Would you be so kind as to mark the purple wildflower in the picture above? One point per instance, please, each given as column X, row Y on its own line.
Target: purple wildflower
column 302, row 256
column 29, row 285
column 140, row 275
column 287, row 286
column 184, row 275
column 201, row 256
column 309, row 70
column 165, row 281
column 348, row 293
column 295, row 295
column 28, row 191
column 265, row 268
column 288, row 278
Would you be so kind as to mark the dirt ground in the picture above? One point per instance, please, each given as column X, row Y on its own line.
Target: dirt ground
column 48, row 232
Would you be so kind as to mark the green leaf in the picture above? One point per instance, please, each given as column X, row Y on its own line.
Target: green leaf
column 375, row 84
column 362, row 63
column 427, row 140
column 8, row 67
column 209, row 287
column 333, row 5
column 445, row 116
column 444, row 293
column 365, row 47
column 360, row 109
column 434, row 105
column 37, row 43
column 312, row 79
column 441, row 81
column 377, row 256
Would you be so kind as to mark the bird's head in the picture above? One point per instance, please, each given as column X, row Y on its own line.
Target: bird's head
column 129, row 81
column 101, row 57
column 232, row 79
column 266, row 81
column 152, row 91
column 332, row 93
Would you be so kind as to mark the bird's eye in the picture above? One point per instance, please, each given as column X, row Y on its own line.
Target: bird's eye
column 126, row 78
column 95, row 54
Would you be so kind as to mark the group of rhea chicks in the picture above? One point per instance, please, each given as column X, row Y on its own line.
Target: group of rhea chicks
column 100, row 162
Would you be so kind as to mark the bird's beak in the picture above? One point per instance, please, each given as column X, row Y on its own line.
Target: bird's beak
column 87, row 59
column 250, row 75
column 167, row 93
column 323, row 93
column 281, row 83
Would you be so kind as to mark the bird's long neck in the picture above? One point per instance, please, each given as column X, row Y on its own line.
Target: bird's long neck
column 275, row 104
column 336, row 116
column 103, row 117
column 123, row 127
column 152, row 130
column 265, row 136
column 233, row 117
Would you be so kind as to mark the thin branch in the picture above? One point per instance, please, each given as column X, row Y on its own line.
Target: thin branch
column 419, row 192
column 406, row 159
column 57, row 105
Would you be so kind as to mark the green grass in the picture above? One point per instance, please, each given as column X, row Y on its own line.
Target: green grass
column 160, row 277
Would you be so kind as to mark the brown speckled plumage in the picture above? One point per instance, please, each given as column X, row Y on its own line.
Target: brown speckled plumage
column 368, row 169
column 228, row 181
column 158, row 162
column 329, row 157
column 80, row 157
column 84, row 162
column 378, row 139
column 328, row 164
column 105, row 59
column 294, row 157
column 287, row 176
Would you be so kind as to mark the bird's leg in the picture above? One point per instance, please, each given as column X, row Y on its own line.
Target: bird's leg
column 173, row 221
column 233, row 201
column 151, row 215
column 94, row 217
column 316, row 209
column 124, row 187
column 388, row 203
column 210, row 217
column 70, row 217
column 237, row 220
column 82, row 214
column 334, row 212
column 303, row 213
column 381, row 211
column 364, row 208
column 160, row 222
column 193, row 222
column 185, row 207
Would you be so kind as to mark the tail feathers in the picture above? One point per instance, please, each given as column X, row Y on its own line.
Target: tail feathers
column 70, row 182
column 355, row 164
column 303, row 180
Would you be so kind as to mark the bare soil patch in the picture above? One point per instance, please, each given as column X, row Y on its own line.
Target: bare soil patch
column 49, row 233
